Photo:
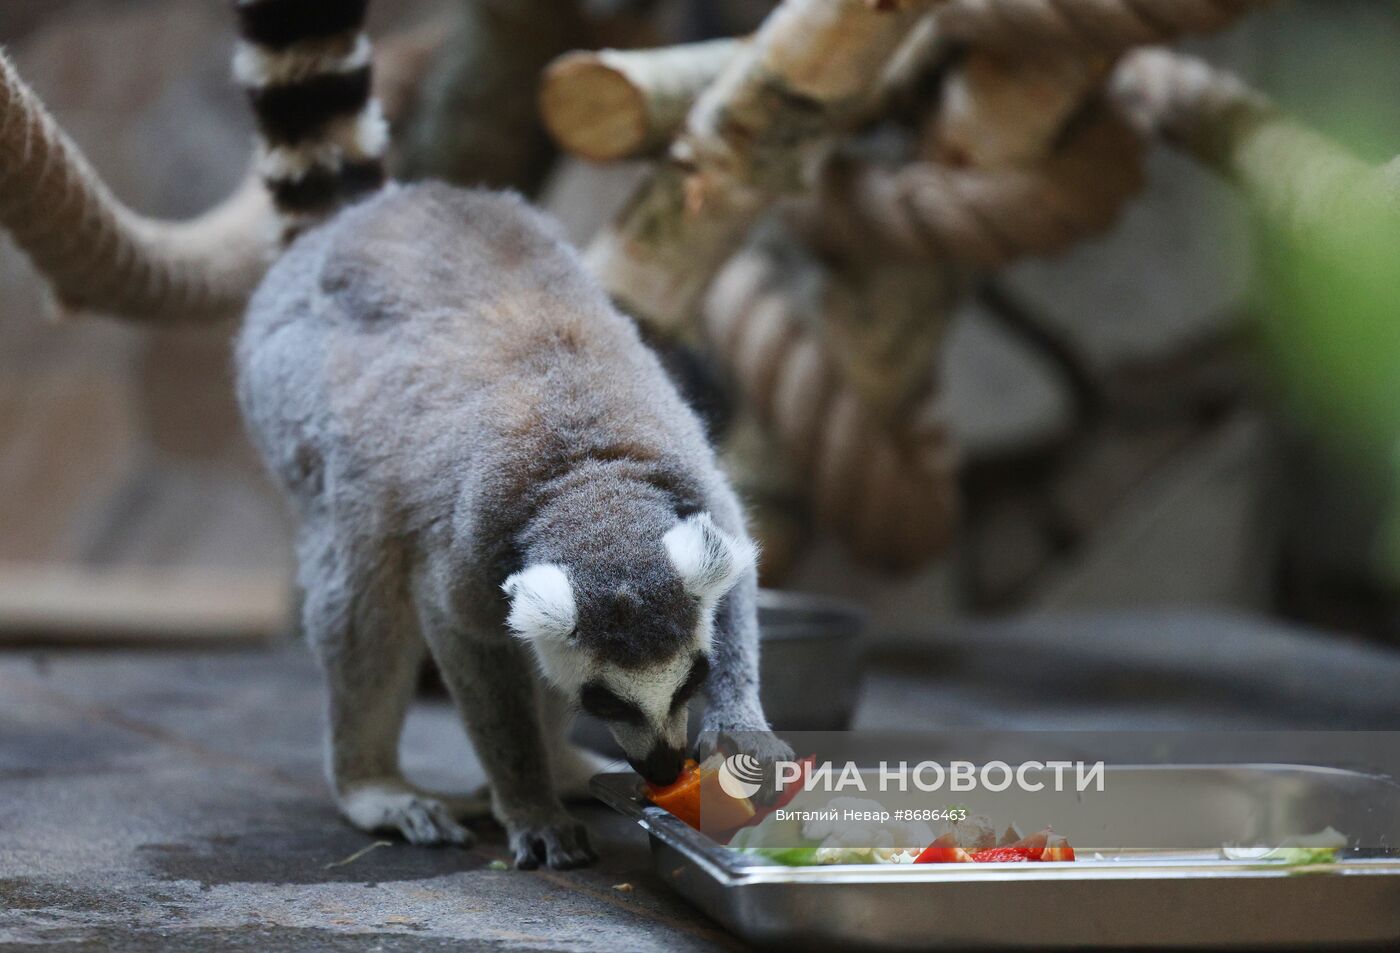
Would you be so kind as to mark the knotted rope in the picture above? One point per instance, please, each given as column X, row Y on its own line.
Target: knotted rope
column 98, row 254
column 885, row 485
column 1104, row 26
column 982, row 217
column 1028, row 153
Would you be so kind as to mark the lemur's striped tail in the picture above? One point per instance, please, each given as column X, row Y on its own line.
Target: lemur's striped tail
column 306, row 67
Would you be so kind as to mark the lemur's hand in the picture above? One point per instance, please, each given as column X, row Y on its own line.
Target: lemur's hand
column 559, row 842
column 760, row 744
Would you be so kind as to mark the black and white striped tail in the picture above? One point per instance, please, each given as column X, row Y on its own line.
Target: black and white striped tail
column 306, row 67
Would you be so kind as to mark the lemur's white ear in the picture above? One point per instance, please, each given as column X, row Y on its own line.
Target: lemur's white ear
column 541, row 603
column 708, row 560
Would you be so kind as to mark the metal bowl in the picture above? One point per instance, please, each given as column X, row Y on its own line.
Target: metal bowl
column 809, row 660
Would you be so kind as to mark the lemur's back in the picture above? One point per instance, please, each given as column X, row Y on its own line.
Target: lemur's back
column 414, row 341
column 489, row 465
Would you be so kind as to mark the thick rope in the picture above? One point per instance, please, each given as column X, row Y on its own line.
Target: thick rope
column 1296, row 178
column 983, row 218
column 1104, row 26
column 99, row 255
column 887, row 489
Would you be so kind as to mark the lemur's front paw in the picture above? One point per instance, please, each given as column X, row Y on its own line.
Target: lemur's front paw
column 760, row 744
column 421, row 820
column 562, row 844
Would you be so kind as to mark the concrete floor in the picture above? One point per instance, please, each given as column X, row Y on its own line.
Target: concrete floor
column 175, row 801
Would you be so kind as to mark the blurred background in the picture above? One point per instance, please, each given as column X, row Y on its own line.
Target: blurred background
column 1164, row 437
column 1177, row 456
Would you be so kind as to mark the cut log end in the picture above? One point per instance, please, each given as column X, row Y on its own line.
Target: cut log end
column 592, row 109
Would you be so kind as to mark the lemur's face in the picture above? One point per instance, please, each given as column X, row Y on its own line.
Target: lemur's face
column 644, row 705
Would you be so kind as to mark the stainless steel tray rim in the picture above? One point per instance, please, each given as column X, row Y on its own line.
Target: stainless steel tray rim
column 1078, row 870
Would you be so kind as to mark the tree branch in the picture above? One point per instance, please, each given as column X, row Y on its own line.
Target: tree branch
column 612, row 104
column 747, row 139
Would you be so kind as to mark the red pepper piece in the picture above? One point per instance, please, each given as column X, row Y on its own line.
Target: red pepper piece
column 944, row 850
column 1044, row 846
column 1003, row 855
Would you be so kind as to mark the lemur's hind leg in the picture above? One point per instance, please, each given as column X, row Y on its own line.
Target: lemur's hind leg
column 493, row 685
column 370, row 650
column 572, row 766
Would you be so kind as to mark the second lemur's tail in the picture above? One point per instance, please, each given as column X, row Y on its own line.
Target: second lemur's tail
column 306, row 67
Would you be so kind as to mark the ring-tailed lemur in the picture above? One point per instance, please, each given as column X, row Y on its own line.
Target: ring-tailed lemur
column 487, row 464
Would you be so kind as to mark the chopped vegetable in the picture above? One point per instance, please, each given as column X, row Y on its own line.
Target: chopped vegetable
column 944, row 850
column 697, row 791
column 786, row 856
column 697, row 794
column 681, row 798
column 828, row 856
column 1305, row 856
column 1300, row 851
column 877, row 838
column 976, row 832
column 777, row 841
column 1057, row 849
column 795, row 842
column 1002, row 855
column 1044, row 847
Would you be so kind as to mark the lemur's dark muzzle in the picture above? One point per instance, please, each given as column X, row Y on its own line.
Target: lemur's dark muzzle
column 661, row 766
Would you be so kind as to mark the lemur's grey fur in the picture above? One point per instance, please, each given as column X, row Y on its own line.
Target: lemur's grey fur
column 448, row 399
column 491, row 468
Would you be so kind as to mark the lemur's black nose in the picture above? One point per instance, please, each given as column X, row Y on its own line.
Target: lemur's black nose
column 661, row 766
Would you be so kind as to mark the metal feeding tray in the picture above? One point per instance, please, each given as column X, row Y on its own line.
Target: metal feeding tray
column 1124, row 899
